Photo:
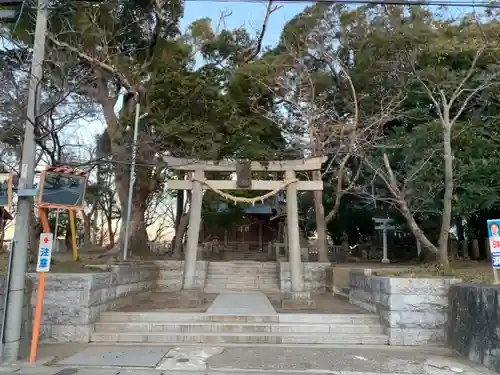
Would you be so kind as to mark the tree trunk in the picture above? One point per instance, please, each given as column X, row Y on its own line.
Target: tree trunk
column 448, row 196
column 86, row 230
column 101, row 231
column 415, row 229
column 320, row 220
column 67, row 237
column 144, row 182
column 138, row 236
column 179, row 235
column 475, row 249
column 94, row 226
column 179, row 208
column 111, row 234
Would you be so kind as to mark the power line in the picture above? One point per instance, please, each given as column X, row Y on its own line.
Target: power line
column 479, row 4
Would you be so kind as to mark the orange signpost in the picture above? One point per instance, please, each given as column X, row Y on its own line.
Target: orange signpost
column 44, row 251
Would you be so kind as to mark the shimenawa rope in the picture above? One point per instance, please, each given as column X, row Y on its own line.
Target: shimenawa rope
column 243, row 199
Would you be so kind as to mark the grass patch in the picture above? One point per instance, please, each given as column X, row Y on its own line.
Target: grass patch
column 468, row 270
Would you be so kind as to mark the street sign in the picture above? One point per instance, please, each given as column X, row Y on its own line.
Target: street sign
column 44, row 252
column 62, row 187
column 5, row 189
column 494, row 238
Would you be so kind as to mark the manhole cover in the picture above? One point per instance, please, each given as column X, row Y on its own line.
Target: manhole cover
column 67, row 371
column 183, row 360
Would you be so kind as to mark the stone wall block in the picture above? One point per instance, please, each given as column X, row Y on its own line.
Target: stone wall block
column 73, row 302
column 414, row 311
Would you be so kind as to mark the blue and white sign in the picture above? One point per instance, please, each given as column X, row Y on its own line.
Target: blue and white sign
column 44, row 252
column 494, row 238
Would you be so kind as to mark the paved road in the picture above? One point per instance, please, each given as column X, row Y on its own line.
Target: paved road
column 269, row 360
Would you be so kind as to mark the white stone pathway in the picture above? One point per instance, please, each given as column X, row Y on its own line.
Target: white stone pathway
column 244, row 303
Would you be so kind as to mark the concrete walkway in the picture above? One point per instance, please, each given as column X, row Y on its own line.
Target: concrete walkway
column 246, row 303
column 248, row 360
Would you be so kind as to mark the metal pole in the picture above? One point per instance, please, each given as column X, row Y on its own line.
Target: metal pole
column 14, row 309
column 56, row 228
column 132, row 178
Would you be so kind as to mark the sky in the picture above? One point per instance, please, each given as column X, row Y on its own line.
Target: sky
column 249, row 15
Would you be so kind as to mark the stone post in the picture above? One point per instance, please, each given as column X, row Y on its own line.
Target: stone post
column 292, row 213
column 193, row 232
column 385, row 258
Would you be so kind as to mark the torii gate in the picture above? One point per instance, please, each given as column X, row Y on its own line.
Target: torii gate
column 197, row 180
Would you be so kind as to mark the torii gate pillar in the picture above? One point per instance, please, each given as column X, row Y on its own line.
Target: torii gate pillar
column 292, row 214
column 193, row 233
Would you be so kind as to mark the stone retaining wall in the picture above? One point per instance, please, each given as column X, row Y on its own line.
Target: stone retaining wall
column 171, row 272
column 26, row 329
column 474, row 323
column 315, row 276
column 73, row 302
column 414, row 311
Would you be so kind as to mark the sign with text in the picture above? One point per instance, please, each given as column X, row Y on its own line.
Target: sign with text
column 494, row 238
column 62, row 188
column 44, row 252
column 5, row 190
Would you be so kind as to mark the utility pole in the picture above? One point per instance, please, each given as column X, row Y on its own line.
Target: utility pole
column 138, row 117
column 14, row 308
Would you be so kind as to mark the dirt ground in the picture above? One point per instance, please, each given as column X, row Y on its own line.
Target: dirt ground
column 176, row 302
column 166, row 301
column 470, row 271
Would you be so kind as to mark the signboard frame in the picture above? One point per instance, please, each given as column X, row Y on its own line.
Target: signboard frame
column 67, row 171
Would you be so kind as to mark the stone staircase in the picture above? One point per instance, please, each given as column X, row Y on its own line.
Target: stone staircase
column 242, row 275
column 202, row 328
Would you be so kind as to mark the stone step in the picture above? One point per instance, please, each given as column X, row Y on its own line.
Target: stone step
column 254, row 272
column 218, row 289
column 218, row 327
column 151, row 317
column 240, row 282
column 241, row 338
column 221, row 288
column 170, row 317
column 240, row 276
column 243, row 264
